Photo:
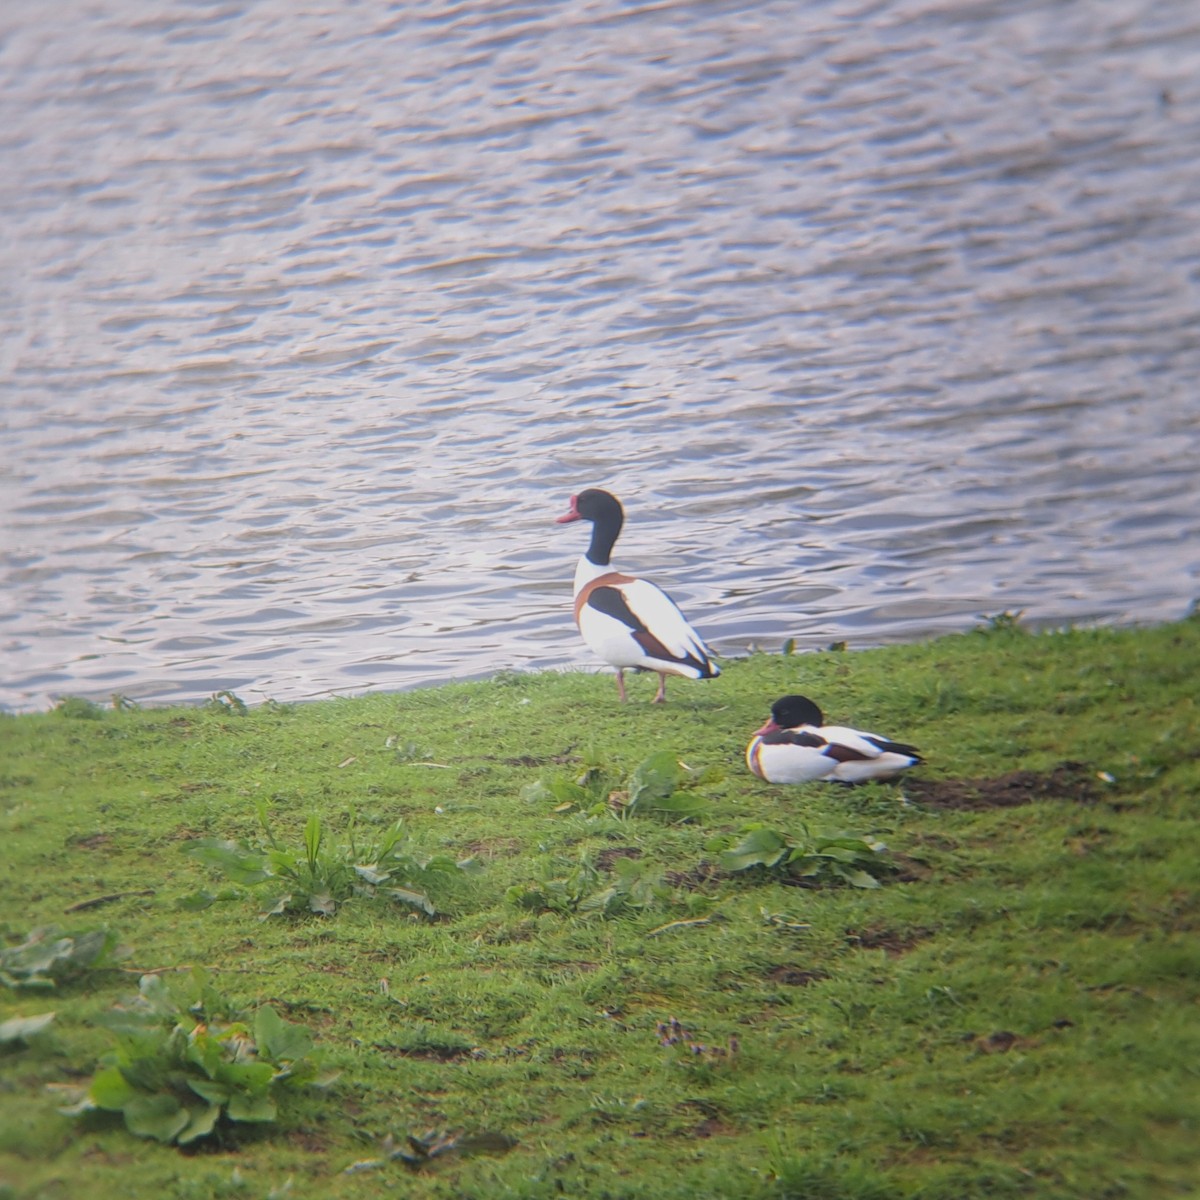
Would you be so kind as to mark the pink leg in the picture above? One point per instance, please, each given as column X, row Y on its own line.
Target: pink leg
column 660, row 697
column 621, row 684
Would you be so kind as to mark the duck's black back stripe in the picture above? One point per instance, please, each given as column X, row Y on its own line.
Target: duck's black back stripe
column 611, row 601
column 789, row 737
column 895, row 748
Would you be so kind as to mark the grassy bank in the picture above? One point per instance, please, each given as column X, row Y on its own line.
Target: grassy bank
column 1011, row 1013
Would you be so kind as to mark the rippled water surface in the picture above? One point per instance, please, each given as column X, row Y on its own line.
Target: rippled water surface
column 878, row 316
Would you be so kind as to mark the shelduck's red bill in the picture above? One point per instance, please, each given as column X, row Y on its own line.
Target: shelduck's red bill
column 769, row 727
column 571, row 515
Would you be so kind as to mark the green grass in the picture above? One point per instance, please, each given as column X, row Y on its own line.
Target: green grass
column 1013, row 1015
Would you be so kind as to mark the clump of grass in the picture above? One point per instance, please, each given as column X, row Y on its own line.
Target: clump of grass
column 185, row 1058
column 320, row 877
column 79, row 709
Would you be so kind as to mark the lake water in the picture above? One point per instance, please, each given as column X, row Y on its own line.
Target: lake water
column 878, row 316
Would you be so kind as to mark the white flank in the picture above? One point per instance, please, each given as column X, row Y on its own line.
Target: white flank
column 613, row 640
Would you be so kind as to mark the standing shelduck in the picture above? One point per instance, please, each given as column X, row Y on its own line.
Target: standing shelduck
column 629, row 622
column 796, row 746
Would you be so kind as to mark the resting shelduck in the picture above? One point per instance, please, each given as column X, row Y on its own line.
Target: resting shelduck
column 796, row 746
column 629, row 622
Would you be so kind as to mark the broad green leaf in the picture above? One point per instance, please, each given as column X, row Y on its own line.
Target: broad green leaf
column 278, row 861
column 312, row 839
column 111, row 1090
column 92, row 947
column 599, row 901
column 554, row 791
column 147, row 1073
column 680, row 806
column 415, row 899
column 803, row 865
column 201, row 1120
column 251, row 1108
column 654, row 778
column 861, row 879
column 447, row 865
column 18, row 1029
column 240, row 863
column 322, row 902
column 277, row 905
column 842, row 855
column 157, row 1116
column 247, row 1078
column 372, row 874
column 280, row 1041
column 390, row 839
column 48, row 954
column 211, row 1090
column 846, row 842
column 760, row 847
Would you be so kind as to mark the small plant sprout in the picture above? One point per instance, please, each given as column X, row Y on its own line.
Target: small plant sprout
column 321, row 877
column 227, row 702
column 419, row 1150
column 1002, row 622
column 186, row 1058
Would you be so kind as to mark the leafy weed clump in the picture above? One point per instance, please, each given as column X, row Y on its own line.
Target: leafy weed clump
column 185, row 1058
column 659, row 786
column 812, row 860
column 585, row 891
column 319, row 877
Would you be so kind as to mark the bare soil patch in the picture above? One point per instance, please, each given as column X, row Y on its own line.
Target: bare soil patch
column 1068, row 781
column 796, row 976
column 606, row 858
column 892, row 942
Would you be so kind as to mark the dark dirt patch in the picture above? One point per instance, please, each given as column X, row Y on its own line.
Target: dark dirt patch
column 712, row 1127
column 428, row 1051
column 999, row 1042
column 1071, row 781
column 908, row 869
column 529, row 760
column 796, row 976
column 495, row 847
column 310, row 1141
column 606, row 858
column 699, row 878
column 893, row 942
column 89, row 841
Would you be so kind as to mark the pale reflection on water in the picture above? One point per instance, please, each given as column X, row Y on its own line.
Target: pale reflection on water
column 878, row 319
